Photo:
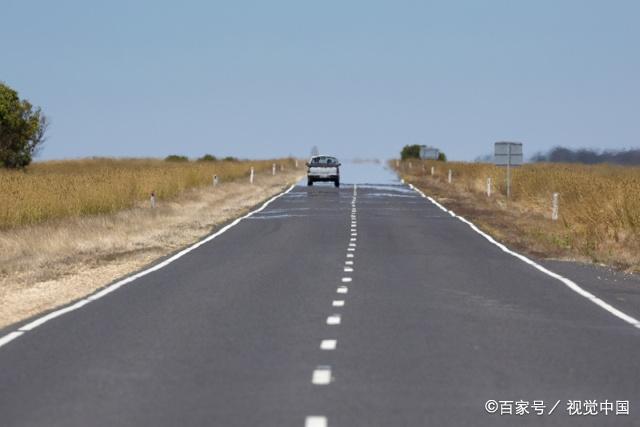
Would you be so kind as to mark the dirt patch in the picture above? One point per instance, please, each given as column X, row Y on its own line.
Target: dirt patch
column 48, row 265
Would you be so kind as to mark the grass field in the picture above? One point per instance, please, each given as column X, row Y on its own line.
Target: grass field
column 73, row 188
column 599, row 206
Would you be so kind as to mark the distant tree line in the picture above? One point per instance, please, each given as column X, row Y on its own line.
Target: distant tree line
column 413, row 152
column 22, row 129
column 205, row 158
column 629, row 157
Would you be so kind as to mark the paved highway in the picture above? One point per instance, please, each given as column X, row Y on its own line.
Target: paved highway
column 366, row 305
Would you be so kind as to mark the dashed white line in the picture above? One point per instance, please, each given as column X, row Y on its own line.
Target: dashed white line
column 352, row 245
column 351, row 249
column 321, row 375
column 328, row 344
column 348, row 269
column 334, row 319
column 348, row 262
column 342, row 290
column 338, row 303
column 349, row 255
column 346, row 279
column 315, row 421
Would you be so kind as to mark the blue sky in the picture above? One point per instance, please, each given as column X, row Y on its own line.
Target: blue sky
column 356, row 78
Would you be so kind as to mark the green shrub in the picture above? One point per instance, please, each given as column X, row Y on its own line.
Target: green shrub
column 176, row 158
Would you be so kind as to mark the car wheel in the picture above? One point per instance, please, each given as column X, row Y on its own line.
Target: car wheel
column 309, row 183
column 337, row 183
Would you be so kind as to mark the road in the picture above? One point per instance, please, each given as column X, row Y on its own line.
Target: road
column 363, row 306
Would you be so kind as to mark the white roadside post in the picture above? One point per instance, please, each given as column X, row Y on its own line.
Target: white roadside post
column 251, row 176
column 449, row 176
column 152, row 200
column 273, row 169
column 215, row 180
column 488, row 187
column 433, row 171
column 397, row 163
column 554, row 207
column 296, row 163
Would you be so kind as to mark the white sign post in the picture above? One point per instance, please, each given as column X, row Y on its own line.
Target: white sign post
column 554, row 207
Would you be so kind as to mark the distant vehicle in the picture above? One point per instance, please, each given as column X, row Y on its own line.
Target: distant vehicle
column 323, row 168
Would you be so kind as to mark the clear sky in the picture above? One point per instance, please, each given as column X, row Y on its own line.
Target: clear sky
column 356, row 78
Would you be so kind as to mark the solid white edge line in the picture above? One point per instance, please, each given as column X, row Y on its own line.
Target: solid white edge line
column 567, row 282
column 10, row 337
column 99, row 294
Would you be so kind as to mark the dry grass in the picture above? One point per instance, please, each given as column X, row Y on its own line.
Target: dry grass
column 53, row 262
column 599, row 215
column 75, row 188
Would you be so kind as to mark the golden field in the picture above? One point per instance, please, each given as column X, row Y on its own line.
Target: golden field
column 599, row 206
column 74, row 188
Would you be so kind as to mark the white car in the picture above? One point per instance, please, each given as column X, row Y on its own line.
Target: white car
column 323, row 168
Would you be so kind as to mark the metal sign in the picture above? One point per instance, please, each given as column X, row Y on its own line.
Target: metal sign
column 429, row 153
column 508, row 153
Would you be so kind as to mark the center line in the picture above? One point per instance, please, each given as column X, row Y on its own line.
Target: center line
column 315, row 421
column 346, row 279
column 338, row 303
column 348, row 269
column 328, row 344
column 321, row 375
column 342, row 290
column 348, row 262
column 349, row 255
column 334, row 319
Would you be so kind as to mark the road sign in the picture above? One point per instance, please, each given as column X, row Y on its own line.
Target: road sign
column 508, row 154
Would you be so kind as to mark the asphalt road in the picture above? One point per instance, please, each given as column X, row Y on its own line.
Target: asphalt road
column 266, row 325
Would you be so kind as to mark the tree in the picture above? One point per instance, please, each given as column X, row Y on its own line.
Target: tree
column 410, row 152
column 176, row 158
column 207, row 158
column 442, row 157
column 22, row 129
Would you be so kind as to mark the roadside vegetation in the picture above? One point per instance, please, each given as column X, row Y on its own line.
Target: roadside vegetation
column 22, row 129
column 598, row 215
column 74, row 188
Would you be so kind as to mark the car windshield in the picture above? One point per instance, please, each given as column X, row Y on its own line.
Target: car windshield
column 324, row 160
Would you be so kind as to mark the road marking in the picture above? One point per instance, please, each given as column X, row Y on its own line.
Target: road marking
column 10, row 337
column 346, row 279
column 567, row 282
column 348, row 270
column 328, row 344
column 349, row 255
column 352, row 245
column 348, row 262
column 105, row 291
column 351, row 249
column 338, row 303
column 353, row 239
column 342, row 290
column 321, row 375
column 334, row 319
column 315, row 421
